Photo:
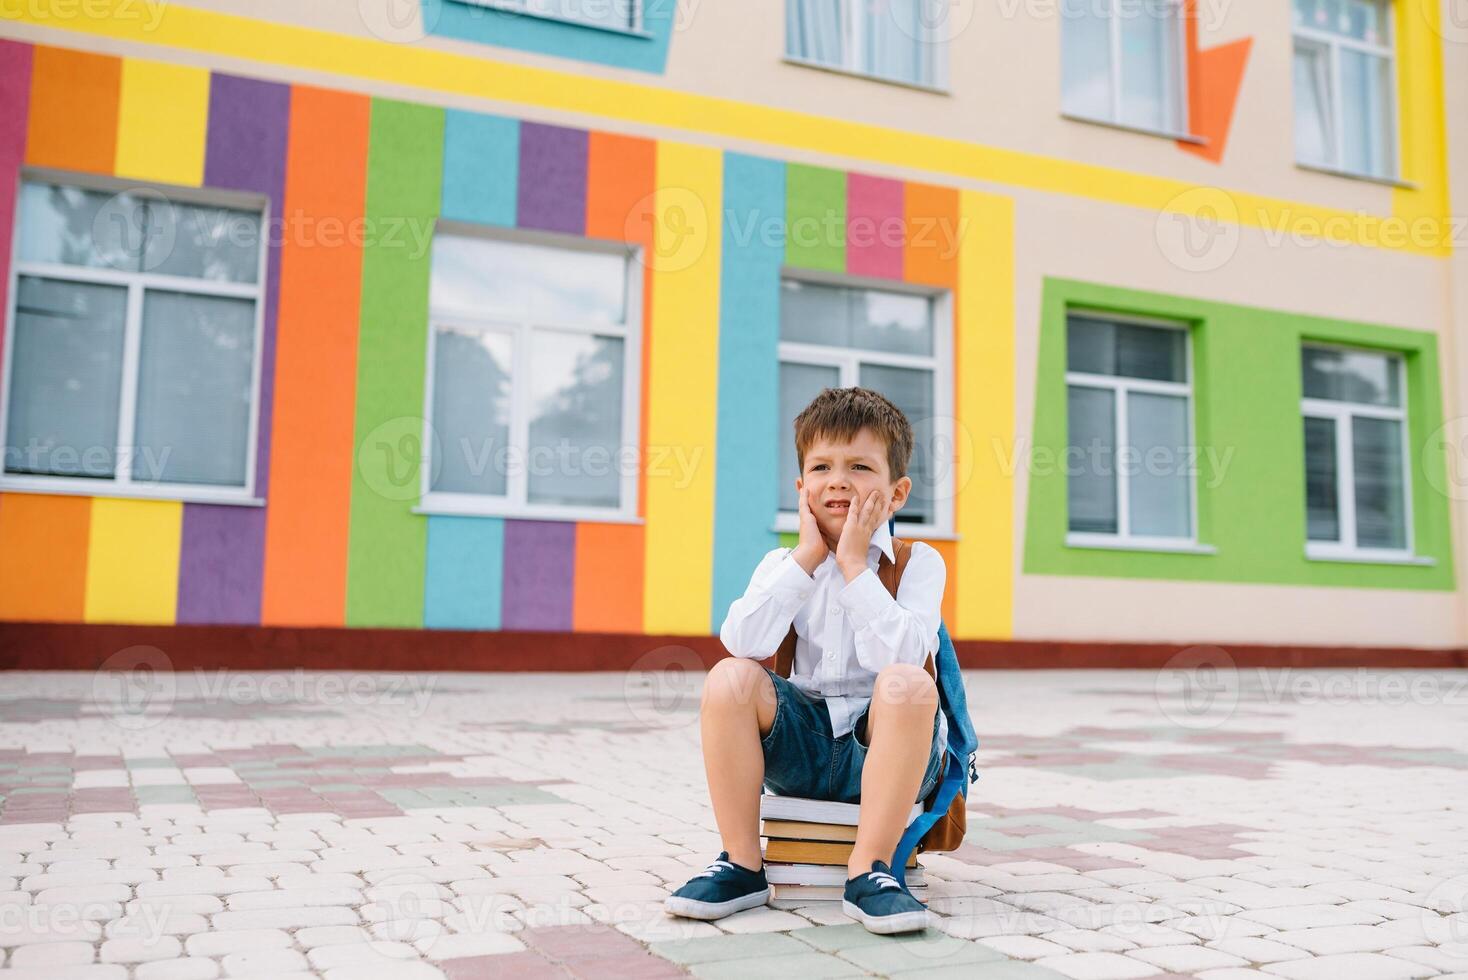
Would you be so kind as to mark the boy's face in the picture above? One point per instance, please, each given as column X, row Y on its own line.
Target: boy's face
column 836, row 471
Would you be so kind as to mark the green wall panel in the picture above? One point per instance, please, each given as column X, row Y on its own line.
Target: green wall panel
column 1250, row 468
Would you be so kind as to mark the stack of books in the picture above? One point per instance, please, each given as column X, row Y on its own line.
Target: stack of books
column 807, row 845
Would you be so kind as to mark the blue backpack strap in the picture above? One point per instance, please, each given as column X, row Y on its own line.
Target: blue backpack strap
column 961, row 744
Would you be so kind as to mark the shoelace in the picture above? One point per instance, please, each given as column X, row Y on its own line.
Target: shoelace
column 715, row 868
column 883, row 879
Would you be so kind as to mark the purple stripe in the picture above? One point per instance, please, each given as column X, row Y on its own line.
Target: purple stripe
column 539, row 564
column 552, row 193
column 15, row 104
column 221, row 567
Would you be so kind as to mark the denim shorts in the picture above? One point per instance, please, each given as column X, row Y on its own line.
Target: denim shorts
column 803, row 759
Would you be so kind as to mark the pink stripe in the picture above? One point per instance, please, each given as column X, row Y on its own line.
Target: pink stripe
column 15, row 99
column 874, row 233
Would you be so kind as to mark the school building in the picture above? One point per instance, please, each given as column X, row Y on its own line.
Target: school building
column 469, row 333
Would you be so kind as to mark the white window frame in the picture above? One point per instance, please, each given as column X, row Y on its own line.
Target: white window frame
column 522, row 8
column 1341, row 414
column 516, row 503
column 1333, row 45
column 122, row 483
column 848, row 361
column 853, row 42
column 1176, row 94
column 1121, row 389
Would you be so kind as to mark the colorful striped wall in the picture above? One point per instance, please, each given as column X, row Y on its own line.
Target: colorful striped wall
column 345, row 341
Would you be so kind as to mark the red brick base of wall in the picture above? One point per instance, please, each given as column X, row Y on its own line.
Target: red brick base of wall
column 75, row 646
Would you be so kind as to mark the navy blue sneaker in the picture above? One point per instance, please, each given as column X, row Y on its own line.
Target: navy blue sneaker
column 721, row 889
column 878, row 902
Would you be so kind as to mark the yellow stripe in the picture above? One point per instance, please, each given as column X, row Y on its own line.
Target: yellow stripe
column 132, row 561
column 682, row 389
column 161, row 122
column 984, row 380
column 1423, row 123
column 477, row 76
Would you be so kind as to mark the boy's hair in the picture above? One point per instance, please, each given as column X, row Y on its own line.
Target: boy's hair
column 840, row 413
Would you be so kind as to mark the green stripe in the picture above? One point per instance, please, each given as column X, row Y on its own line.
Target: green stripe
column 1251, row 467
column 815, row 218
column 388, row 542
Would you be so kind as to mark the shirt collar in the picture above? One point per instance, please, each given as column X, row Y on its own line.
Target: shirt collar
column 882, row 538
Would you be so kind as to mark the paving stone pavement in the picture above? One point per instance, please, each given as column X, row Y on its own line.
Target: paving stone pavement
column 1297, row 825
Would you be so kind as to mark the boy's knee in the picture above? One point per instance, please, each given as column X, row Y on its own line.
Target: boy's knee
column 733, row 680
column 906, row 685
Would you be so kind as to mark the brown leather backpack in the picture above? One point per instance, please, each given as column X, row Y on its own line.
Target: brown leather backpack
column 947, row 832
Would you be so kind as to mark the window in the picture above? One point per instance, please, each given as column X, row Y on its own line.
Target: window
column 133, row 345
column 896, row 40
column 533, row 378
column 1122, row 62
column 890, row 340
column 1355, row 463
column 1344, row 90
column 617, row 15
column 1130, row 453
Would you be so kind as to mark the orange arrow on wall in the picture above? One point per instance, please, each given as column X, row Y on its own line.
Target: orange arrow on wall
column 1215, row 76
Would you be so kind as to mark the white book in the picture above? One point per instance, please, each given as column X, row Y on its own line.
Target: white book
column 823, row 874
column 816, row 811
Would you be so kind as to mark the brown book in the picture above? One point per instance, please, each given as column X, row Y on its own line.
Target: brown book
column 800, row 830
column 815, row 852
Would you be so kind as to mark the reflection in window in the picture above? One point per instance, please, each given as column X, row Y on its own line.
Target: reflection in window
column 100, row 273
column 1355, row 468
column 531, row 373
column 839, row 336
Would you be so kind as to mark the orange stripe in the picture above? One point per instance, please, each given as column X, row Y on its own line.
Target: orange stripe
column 73, row 113
column 43, row 556
column 931, row 235
column 608, row 575
column 930, row 257
column 949, row 551
column 316, row 360
column 607, row 591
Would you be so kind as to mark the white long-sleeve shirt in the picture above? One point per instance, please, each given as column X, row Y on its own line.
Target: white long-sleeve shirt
column 845, row 632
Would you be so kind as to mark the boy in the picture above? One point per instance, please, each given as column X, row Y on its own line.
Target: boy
column 858, row 718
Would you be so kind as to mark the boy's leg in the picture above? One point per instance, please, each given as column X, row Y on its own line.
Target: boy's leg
column 899, row 737
column 738, row 710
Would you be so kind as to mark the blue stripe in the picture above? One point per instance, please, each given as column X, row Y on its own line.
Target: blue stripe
column 481, row 168
column 465, row 573
column 464, row 581
column 746, row 492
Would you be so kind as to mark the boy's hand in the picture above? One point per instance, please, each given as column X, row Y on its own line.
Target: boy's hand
column 811, row 550
column 856, row 534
